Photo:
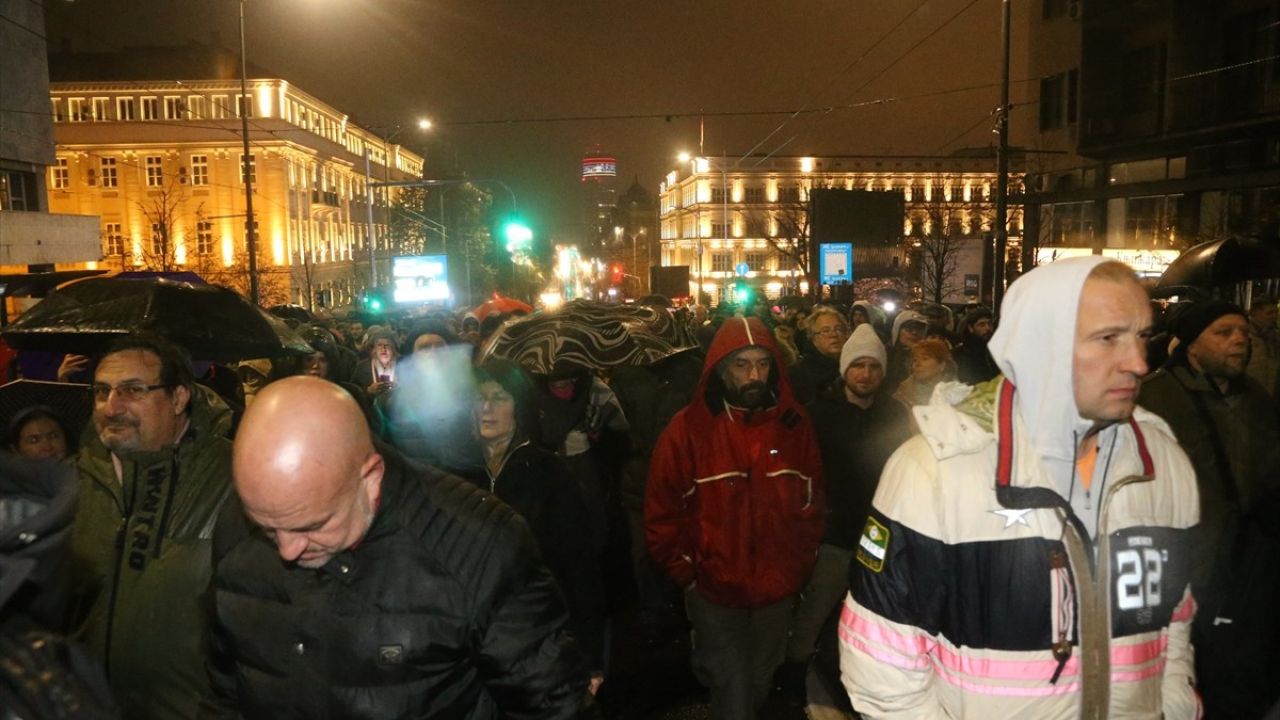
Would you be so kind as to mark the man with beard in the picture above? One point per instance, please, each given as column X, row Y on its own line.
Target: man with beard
column 1225, row 421
column 734, row 513
column 152, row 480
column 974, row 363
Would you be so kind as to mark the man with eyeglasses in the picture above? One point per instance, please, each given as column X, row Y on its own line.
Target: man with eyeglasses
column 152, row 480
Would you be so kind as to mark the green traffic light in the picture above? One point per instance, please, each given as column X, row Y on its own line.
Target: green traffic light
column 517, row 235
column 741, row 294
column 375, row 304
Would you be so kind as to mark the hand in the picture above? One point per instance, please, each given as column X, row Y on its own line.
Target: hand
column 594, row 685
column 378, row 388
column 72, row 364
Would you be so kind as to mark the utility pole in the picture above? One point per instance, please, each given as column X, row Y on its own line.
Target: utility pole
column 250, row 226
column 1002, row 165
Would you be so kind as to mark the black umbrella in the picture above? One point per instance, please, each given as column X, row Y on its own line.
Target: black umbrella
column 1220, row 262
column 212, row 323
column 69, row 401
column 291, row 312
column 585, row 334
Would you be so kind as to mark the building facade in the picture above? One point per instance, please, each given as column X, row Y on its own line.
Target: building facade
column 31, row 238
column 728, row 220
column 1166, row 121
column 159, row 163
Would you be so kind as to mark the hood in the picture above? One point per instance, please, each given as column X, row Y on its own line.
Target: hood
column 1033, row 348
column 874, row 312
column 902, row 319
column 37, row 506
column 734, row 334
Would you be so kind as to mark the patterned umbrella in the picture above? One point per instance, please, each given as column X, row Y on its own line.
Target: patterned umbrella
column 212, row 323
column 586, row 334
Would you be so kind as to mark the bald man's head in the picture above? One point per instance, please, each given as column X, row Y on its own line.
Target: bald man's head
column 306, row 469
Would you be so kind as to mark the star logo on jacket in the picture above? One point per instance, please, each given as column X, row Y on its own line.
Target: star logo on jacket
column 1013, row 517
column 390, row 654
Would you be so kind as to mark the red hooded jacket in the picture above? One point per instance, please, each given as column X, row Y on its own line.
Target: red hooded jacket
column 735, row 498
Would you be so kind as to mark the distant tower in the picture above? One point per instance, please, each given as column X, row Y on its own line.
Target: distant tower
column 599, row 181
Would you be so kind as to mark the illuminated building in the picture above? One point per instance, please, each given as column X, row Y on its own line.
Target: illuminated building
column 599, row 183
column 159, row 162
column 720, row 217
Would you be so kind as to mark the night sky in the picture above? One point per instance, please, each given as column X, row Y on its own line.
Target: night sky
column 649, row 66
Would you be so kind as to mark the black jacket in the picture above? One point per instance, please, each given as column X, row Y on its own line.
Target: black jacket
column 974, row 364
column 811, row 375
column 535, row 483
column 443, row 610
column 855, row 444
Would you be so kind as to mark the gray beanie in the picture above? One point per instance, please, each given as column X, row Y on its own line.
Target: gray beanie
column 864, row 342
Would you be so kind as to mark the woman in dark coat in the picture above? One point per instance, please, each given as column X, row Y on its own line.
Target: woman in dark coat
column 534, row 482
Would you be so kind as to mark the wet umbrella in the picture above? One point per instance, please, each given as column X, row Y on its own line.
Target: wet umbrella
column 212, row 323
column 69, row 401
column 585, row 334
column 500, row 304
column 292, row 312
column 1220, row 262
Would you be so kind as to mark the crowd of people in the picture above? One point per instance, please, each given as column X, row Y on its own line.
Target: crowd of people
column 1063, row 511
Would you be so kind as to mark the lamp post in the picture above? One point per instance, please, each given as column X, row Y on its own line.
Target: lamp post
column 250, row 224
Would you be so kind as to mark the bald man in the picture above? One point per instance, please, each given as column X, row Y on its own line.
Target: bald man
column 351, row 583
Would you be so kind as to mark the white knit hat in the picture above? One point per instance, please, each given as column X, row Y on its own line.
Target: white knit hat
column 864, row 342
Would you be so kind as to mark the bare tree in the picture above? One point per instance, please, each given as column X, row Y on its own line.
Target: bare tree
column 943, row 228
column 163, row 208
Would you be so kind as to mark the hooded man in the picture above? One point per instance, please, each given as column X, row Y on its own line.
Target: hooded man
column 974, row 363
column 734, row 513
column 1027, row 554
column 1225, row 421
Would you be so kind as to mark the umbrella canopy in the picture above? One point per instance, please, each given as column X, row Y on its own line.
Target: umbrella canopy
column 69, row 401
column 500, row 304
column 292, row 312
column 1219, row 262
column 585, row 334
column 212, row 323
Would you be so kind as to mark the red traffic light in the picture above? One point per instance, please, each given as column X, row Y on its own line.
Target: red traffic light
column 615, row 273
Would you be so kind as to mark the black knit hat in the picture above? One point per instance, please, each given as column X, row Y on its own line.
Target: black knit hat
column 1192, row 321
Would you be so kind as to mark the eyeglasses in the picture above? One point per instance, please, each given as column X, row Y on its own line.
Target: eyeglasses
column 128, row 392
column 831, row 331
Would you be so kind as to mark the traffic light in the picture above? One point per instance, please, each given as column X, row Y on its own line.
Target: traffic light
column 615, row 273
column 517, row 234
column 741, row 293
column 374, row 301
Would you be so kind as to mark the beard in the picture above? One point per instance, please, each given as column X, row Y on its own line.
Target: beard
column 752, row 396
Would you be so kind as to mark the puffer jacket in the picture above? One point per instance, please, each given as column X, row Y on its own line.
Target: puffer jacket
column 735, row 499
column 975, row 597
column 443, row 610
column 141, row 561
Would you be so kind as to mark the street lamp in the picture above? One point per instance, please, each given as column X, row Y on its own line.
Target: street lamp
column 423, row 124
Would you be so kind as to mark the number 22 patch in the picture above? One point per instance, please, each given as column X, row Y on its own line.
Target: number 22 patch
column 873, row 545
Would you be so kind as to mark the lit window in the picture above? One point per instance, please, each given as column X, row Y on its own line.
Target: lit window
column 110, row 179
column 61, row 175
column 199, row 169
column 155, row 170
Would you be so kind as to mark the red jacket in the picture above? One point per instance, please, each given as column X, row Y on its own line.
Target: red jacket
column 735, row 498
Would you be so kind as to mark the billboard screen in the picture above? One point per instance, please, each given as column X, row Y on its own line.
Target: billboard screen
column 836, row 263
column 420, row 278
column 599, row 166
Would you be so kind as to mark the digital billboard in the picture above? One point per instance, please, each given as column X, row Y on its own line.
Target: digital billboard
column 420, row 278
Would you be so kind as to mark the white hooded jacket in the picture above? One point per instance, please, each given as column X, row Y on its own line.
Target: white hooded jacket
column 975, row 601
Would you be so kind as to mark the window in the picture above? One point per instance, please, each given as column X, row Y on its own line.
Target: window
column 1053, row 8
column 1051, row 94
column 195, row 107
column 61, row 175
column 253, row 169
column 157, row 239
column 242, row 107
column 155, row 170
column 173, row 108
column 112, row 240
column 126, row 109
column 150, row 108
column 199, row 169
column 58, row 114
column 721, row 262
column 218, row 107
column 717, row 195
column 204, row 237
column 753, row 195
column 1073, row 89
column 18, row 191
column 789, row 193
column 755, row 227
column 107, row 166
column 101, row 109
column 756, row 260
column 77, row 110
column 717, row 230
